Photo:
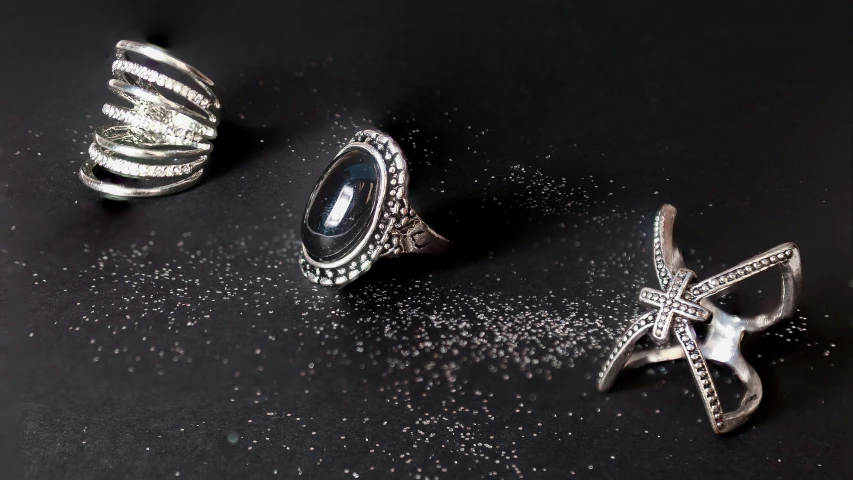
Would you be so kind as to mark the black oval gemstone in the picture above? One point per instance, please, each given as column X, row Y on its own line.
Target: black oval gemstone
column 341, row 207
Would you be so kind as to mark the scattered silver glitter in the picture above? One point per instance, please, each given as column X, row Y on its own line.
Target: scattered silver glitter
column 463, row 369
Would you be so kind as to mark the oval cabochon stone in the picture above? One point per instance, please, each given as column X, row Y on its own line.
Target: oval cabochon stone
column 341, row 207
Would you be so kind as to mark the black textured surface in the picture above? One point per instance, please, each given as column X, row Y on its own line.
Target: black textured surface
column 738, row 114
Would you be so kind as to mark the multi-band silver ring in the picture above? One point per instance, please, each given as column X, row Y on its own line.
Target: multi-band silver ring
column 160, row 144
column 683, row 301
column 359, row 212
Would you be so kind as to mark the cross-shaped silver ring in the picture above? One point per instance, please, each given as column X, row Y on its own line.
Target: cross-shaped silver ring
column 682, row 301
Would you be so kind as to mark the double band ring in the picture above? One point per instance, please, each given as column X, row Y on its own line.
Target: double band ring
column 682, row 301
column 160, row 143
column 359, row 211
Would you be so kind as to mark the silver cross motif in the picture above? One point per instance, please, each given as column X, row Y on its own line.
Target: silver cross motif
column 673, row 303
column 682, row 301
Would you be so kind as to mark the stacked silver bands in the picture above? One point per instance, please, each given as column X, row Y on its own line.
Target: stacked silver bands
column 163, row 139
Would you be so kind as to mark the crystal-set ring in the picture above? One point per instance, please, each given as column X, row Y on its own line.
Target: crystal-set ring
column 159, row 144
column 683, row 301
column 359, row 212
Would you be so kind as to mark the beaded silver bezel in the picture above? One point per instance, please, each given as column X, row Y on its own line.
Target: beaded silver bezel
column 388, row 214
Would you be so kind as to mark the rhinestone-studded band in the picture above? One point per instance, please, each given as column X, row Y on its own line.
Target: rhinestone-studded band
column 160, row 143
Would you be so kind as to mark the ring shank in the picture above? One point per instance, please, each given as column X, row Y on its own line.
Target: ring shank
column 415, row 236
column 753, row 390
column 110, row 189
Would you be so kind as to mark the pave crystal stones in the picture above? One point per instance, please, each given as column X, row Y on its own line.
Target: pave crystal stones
column 159, row 144
column 684, row 301
column 340, row 210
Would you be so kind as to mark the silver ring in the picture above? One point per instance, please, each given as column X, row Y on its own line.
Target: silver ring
column 160, row 143
column 359, row 212
column 683, row 301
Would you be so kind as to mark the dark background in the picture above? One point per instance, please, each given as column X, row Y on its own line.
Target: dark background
column 542, row 137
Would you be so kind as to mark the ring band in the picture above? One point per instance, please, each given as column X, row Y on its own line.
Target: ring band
column 359, row 212
column 159, row 145
column 685, row 301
